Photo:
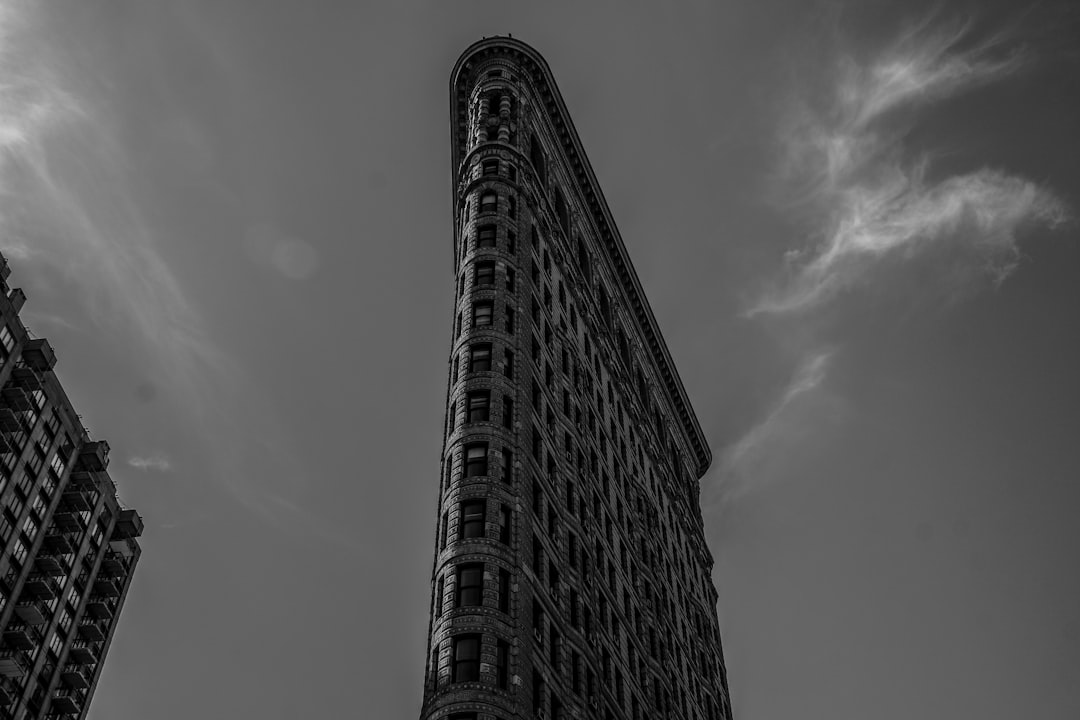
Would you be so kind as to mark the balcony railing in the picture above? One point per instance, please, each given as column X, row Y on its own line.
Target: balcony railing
column 32, row 613
column 76, row 677
column 41, row 587
column 13, row 663
column 82, row 653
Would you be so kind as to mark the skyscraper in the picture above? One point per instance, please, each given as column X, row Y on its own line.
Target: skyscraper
column 571, row 575
column 67, row 544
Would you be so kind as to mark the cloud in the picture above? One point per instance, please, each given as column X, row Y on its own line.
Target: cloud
column 845, row 171
column 154, row 462
column 777, row 427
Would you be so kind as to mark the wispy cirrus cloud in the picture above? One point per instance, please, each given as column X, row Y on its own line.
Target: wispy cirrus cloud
column 846, row 171
column 739, row 461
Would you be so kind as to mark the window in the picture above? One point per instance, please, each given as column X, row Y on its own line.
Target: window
column 511, row 207
column 502, row 661
column 505, row 520
column 453, row 415
column 480, row 357
column 511, row 242
column 512, row 170
column 491, row 167
column 470, row 585
column 489, row 201
column 508, row 412
column 484, row 273
column 466, row 659
column 439, row 587
column 508, row 363
column 561, row 211
column 508, row 465
column 504, row 591
column 476, row 460
column 485, row 236
column 510, row 320
column 472, row 519
column 511, row 279
column 539, row 162
column 479, row 409
column 482, row 313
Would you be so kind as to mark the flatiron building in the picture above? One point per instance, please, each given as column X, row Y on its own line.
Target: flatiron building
column 571, row 575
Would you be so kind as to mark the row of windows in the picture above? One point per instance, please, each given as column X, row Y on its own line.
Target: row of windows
column 465, row 653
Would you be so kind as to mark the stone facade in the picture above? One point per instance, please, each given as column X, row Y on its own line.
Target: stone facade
column 571, row 576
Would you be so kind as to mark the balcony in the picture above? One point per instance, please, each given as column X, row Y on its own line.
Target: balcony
column 99, row 609
column 128, row 525
column 59, row 542
column 106, row 588
column 94, row 456
column 75, row 677
column 26, row 378
column 9, row 421
column 81, row 480
column 15, row 398
column 40, row 587
column 67, row 522
column 76, row 501
column 82, row 653
column 112, row 566
column 48, row 566
column 66, row 704
column 17, row 298
column 13, row 663
column 91, row 632
column 19, row 638
column 39, row 355
column 32, row 613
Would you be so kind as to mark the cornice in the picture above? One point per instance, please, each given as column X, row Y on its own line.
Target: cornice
column 528, row 61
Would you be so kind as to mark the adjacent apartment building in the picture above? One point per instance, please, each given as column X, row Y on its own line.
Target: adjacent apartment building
column 68, row 546
column 571, row 575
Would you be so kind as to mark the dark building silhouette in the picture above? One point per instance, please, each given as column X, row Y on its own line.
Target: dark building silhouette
column 571, row 576
column 68, row 545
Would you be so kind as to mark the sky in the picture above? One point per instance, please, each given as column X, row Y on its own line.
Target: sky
column 856, row 223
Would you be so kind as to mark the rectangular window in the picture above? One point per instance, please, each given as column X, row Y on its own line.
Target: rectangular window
column 505, row 520
column 502, row 662
column 484, row 273
column 466, row 658
column 508, row 465
column 480, row 357
column 482, row 312
column 508, row 412
column 512, row 170
column 476, row 460
column 504, row 591
column 511, row 242
column 509, row 320
column 472, row 519
column 470, row 585
column 508, row 363
column 491, row 167
column 485, row 236
column 439, row 588
column 489, row 201
column 511, row 279
column 479, row 408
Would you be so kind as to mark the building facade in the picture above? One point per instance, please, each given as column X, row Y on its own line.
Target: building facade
column 571, row 575
column 68, row 547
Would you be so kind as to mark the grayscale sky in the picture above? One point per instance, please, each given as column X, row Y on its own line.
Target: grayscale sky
column 855, row 222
